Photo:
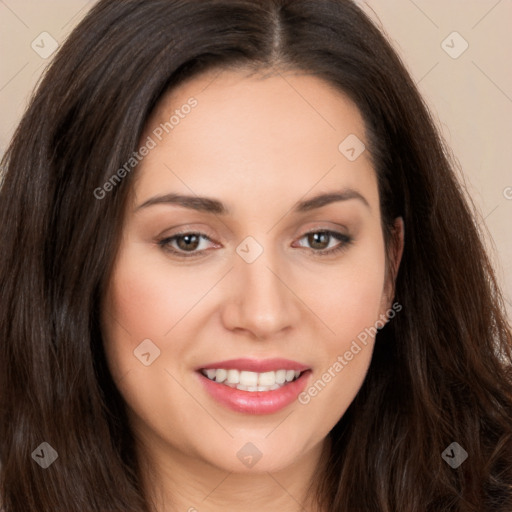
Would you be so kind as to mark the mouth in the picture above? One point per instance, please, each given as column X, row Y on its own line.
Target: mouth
column 252, row 381
column 253, row 386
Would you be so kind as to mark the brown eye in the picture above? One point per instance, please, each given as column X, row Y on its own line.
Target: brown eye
column 187, row 242
column 319, row 240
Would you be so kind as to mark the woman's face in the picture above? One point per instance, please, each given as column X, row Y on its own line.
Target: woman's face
column 262, row 280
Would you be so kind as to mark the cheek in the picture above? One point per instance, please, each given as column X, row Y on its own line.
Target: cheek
column 349, row 296
column 139, row 305
column 350, row 305
column 145, row 303
column 148, row 298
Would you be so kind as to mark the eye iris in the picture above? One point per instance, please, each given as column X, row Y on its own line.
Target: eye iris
column 316, row 238
column 188, row 246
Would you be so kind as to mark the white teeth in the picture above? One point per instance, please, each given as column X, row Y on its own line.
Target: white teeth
column 280, row 376
column 290, row 374
column 257, row 388
column 251, row 381
column 211, row 374
column 233, row 376
column 248, row 378
column 267, row 379
column 221, row 375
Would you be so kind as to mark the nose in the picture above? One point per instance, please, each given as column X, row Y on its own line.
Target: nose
column 261, row 300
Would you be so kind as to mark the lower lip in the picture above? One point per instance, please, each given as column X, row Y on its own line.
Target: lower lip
column 255, row 402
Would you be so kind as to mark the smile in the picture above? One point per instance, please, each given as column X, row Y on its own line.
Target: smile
column 254, row 386
column 251, row 381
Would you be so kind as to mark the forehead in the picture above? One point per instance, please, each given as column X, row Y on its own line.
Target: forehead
column 239, row 103
column 254, row 134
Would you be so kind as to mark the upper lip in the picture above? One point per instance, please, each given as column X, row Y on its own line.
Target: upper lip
column 256, row 365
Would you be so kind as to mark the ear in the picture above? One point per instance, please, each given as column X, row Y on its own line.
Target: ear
column 394, row 256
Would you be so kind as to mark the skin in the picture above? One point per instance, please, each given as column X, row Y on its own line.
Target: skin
column 258, row 145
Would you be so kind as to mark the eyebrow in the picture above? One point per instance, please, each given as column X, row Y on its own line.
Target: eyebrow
column 210, row 205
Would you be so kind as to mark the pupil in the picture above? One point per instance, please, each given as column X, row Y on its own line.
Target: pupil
column 187, row 245
column 315, row 238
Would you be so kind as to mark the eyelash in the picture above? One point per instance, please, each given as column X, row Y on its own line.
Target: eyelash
column 345, row 240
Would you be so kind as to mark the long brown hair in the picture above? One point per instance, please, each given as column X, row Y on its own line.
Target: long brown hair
column 441, row 370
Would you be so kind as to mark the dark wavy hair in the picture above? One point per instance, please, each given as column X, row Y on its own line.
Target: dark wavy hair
column 441, row 371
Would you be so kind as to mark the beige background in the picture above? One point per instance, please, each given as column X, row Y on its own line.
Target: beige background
column 470, row 96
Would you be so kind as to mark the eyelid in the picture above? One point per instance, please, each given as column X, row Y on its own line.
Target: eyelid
column 186, row 229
